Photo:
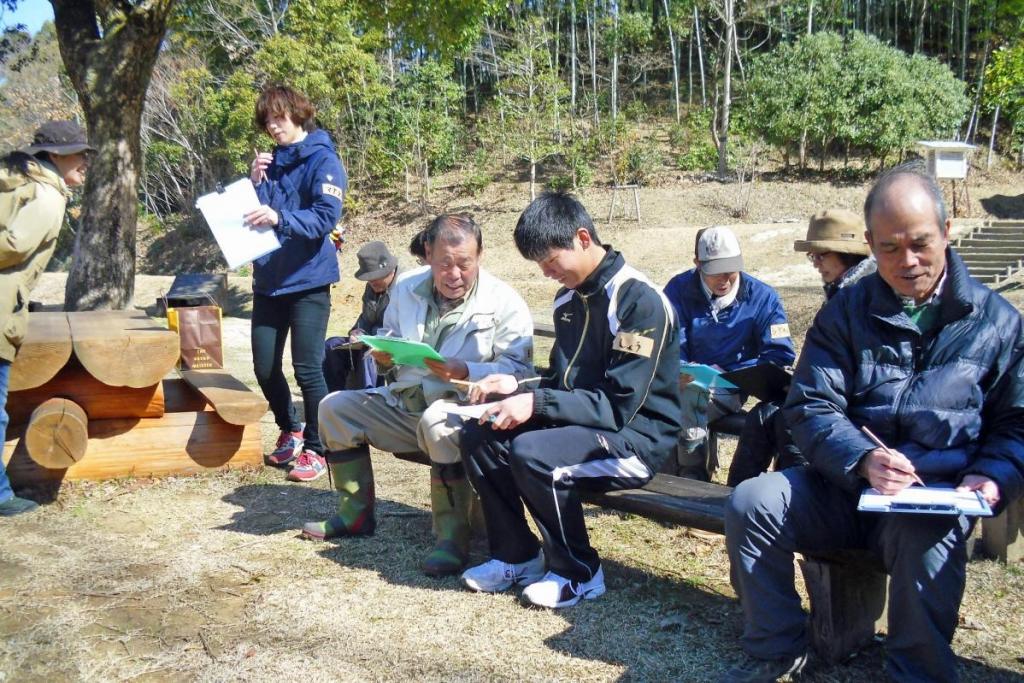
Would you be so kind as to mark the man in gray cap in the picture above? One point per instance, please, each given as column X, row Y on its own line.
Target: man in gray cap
column 344, row 366
column 728, row 320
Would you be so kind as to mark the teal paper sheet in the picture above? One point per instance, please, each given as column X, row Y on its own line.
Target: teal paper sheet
column 706, row 376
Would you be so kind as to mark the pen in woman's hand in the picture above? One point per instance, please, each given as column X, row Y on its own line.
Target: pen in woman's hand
column 263, row 174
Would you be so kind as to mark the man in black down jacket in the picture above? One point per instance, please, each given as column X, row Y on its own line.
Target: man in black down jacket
column 929, row 360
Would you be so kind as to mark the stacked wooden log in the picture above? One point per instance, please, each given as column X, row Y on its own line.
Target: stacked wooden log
column 90, row 399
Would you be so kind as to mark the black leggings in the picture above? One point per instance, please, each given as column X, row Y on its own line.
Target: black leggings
column 305, row 315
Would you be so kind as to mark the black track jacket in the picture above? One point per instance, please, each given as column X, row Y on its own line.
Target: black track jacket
column 615, row 361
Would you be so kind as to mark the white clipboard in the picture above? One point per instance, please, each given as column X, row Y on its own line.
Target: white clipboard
column 926, row 500
column 223, row 212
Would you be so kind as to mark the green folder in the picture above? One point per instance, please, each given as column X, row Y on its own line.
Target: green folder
column 403, row 351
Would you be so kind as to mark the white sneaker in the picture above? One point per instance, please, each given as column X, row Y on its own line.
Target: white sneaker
column 556, row 591
column 495, row 576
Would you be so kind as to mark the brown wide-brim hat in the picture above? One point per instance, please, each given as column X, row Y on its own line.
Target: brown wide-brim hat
column 834, row 230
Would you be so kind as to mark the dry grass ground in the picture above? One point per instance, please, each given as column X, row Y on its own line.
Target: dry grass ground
column 205, row 578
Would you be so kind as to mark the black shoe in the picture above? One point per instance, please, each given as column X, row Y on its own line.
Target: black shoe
column 765, row 670
column 16, row 506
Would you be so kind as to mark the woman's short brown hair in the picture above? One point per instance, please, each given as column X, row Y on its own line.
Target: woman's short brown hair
column 280, row 100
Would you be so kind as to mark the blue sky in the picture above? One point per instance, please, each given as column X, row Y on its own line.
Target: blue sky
column 32, row 13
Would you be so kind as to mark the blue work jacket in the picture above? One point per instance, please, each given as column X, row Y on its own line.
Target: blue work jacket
column 751, row 330
column 305, row 185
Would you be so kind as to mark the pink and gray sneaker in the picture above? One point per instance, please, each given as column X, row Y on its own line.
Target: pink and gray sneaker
column 288, row 447
column 308, row 467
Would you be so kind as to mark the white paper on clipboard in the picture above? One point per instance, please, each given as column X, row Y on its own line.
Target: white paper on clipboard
column 223, row 212
column 926, row 500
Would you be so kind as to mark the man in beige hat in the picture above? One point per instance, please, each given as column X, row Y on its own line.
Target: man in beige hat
column 835, row 246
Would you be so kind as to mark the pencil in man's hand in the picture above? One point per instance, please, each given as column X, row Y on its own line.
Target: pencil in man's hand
column 881, row 444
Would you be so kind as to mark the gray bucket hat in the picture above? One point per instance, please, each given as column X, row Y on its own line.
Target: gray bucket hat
column 59, row 137
column 375, row 261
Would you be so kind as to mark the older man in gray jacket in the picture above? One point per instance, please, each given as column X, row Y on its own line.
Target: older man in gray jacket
column 930, row 361
column 481, row 326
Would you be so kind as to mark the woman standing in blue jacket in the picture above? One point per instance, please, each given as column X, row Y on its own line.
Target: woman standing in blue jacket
column 301, row 185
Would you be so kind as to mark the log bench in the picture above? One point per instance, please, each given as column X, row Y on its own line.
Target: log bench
column 89, row 399
column 847, row 590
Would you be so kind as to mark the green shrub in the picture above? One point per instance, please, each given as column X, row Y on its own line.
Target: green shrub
column 636, row 161
column 560, row 183
column 828, row 90
column 479, row 173
column 691, row 142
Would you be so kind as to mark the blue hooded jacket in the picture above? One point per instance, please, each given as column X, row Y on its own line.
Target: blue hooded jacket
column 305, row 185
column 751, row 330
column 952, row 400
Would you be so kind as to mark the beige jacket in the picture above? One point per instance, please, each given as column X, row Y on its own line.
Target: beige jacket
column 31, row 215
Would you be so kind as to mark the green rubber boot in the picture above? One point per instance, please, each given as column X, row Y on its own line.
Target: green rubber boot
column 352, row 475
column 450, row 499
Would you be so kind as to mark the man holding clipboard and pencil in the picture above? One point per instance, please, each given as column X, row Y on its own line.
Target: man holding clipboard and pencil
column 472, row 325
column 913, row 374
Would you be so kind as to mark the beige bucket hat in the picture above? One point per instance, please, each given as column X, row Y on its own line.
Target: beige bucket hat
column 834, row 230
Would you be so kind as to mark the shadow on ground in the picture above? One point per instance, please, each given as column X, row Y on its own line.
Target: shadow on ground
column 1004, row 206
column 274, row 508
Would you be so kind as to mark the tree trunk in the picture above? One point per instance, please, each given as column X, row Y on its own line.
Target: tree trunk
column 992, row 138
column 592, row 34
column 972, row 128
column 919, row 32
column 109, row 56
column 615, row 60
column 700, row 58
column 810, row 18
column 675, row 58
column 572, row 59
column 533, row 179
column 723, row 138
column 964, row 19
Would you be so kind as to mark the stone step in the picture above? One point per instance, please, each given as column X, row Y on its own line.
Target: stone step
column 1010, row 248
column 994, row 239
column 988, row 257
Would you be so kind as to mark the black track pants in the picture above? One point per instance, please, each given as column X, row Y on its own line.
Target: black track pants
column 543, row 469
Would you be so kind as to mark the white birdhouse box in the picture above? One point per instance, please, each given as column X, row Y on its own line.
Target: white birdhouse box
column 947, row 159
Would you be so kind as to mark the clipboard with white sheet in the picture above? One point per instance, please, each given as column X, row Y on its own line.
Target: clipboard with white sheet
column 224, row 213
column 927, row 500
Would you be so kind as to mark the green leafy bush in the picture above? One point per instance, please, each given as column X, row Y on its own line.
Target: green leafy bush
column 827, row 90
column 691, row 142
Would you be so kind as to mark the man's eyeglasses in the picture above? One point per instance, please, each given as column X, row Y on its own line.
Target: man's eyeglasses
column 817, row 258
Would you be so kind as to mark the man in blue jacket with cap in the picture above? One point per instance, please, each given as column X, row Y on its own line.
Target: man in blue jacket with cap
column 729, row 320
column 932, row 362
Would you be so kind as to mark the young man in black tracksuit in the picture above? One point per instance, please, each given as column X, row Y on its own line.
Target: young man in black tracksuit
column 603, row 417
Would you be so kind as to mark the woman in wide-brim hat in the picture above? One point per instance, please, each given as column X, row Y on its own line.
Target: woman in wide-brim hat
column 34, row 184
column 835, row 245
